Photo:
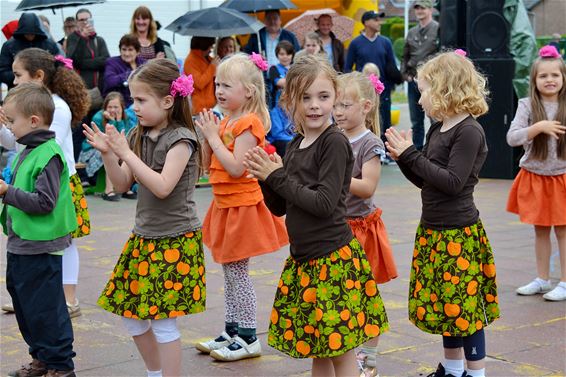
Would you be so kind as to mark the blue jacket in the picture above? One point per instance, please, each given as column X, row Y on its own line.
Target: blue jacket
column 284, row 36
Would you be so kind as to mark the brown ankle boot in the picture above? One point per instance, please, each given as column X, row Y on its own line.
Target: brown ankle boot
column 60, row 373
column 33, row 369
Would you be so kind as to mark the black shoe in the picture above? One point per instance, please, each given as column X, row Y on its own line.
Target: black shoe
column 130, row 195
column 111, row 197
column 440, row 372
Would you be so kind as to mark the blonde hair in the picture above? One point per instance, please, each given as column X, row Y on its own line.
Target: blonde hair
column 456, row 86
column 361, row 88
column 370, row 68
column 300, row 77
column 240, row 68
column 540, row 142
column 144, row 13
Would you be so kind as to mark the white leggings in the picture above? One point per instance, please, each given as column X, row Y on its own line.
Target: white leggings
column 71, row 264
column 165, row 330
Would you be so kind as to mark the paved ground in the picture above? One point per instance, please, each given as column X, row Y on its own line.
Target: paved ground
column 528, row 340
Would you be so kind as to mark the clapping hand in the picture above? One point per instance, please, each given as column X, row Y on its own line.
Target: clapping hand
column 96, row 138
column 552, row 128
column 208, row 124
column 3, row 187
column 117, row 141
column 260, row 165
column 398, row 142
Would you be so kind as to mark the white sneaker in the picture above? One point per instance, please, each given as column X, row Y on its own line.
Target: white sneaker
column 212, row 345
column 8, row 308
column 245, row 352
column 536, row 286
column 557, row 294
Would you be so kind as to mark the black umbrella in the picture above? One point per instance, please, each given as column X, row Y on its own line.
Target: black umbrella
column 253, row 6
column 215, row 22
column 26, row 5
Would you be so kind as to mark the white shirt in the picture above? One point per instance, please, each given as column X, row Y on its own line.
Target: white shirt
column 61, row 125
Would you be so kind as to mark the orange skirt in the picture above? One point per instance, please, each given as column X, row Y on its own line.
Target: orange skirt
column 538, row 199
column 237, row 233
column 371, row 233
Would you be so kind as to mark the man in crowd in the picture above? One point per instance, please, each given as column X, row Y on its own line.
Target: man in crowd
column 421, row 43
column 332, row 45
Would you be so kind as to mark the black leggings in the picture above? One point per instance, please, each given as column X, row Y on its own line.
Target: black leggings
column 474, row 345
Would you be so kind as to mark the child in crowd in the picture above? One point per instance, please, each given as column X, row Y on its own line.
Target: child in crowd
column 113, row 112
column 71, row 105
column 313, row 45
column 452, row 288
column 160, row 273
column 371, row 68
column 238, row 225
column 38, row 218
column 539, row 190
column 281, row 132
column 327, row 302
column 356, row 112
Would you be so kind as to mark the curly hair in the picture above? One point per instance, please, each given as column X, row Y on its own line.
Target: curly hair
column 360, row 87
column 540, row 142
column 62, row 81
column 456, row 86
column 300, row 77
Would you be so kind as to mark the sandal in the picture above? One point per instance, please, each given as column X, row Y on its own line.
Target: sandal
column 130, row 195
column 111, row 197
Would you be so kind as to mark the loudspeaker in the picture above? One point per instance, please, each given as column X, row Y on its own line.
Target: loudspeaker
column 452, row 20
column 487, row 30
column 502, row 160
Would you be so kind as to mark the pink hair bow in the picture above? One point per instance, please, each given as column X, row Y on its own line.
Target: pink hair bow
column 259, row 61
column 377, row 84
column 67, row 63
column 182, row 86
column 548, row 52
column 460, row 52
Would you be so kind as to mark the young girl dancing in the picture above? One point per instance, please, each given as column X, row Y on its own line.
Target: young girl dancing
column 452, row 288
column 327, row 302
column 540, row 126
column 160, row 273
column 356, row 112
column 71, row 105
column 238, row 225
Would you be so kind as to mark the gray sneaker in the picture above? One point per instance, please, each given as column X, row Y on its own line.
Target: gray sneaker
column 535, row 287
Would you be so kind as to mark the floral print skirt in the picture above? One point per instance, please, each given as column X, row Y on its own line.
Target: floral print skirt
column 81, row 207
column 452, row 289
column 326, row 306
column 157, row 278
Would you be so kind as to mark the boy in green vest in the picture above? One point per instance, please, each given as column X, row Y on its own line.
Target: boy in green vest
column 38, row 217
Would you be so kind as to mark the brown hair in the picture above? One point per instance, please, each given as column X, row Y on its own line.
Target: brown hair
column 300, row 77
column 62, row 81
column 145, row 13
column 130, row 40
column 158, row 75
column 359, row 84
column 285, row 46
column 456, row 86
column 539, row 150
column 112, row 96
column 32, row 99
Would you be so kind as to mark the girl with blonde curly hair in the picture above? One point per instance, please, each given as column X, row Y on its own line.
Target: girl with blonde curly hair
column 71, row 105
column 452, row 291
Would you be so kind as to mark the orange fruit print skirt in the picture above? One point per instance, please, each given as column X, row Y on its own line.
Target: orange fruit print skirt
column 452, row 289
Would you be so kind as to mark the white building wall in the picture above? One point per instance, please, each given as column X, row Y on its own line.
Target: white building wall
column 112, row 19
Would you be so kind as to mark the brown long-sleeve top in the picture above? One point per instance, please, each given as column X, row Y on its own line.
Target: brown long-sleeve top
column 447, row 171
column 311, row 189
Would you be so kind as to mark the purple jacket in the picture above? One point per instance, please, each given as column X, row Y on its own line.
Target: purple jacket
column 116, row 76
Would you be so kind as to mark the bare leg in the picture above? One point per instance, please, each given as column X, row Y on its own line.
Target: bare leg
column 108, row 188
column 345, row 365
column 149, row 350
column 170, row 354
column 475, row 365
column 542, row 250
column 454, row 353
column 70, row 293
column 560, row 232
column 322, row 368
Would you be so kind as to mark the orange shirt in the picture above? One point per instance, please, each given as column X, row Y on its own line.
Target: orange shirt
column 229, row 191
column 203, row 81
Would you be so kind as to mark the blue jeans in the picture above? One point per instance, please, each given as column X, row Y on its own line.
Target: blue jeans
column 417, row 115
column 385, row 111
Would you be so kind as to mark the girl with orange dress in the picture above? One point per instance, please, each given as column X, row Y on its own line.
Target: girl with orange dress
column 452, row 290
column 238, row 225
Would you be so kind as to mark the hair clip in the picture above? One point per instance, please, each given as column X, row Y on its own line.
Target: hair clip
column 377, row 84
column 182, row 86
column 67, row 63
column 259, row 61
column 549, row 52
column 460, row 52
